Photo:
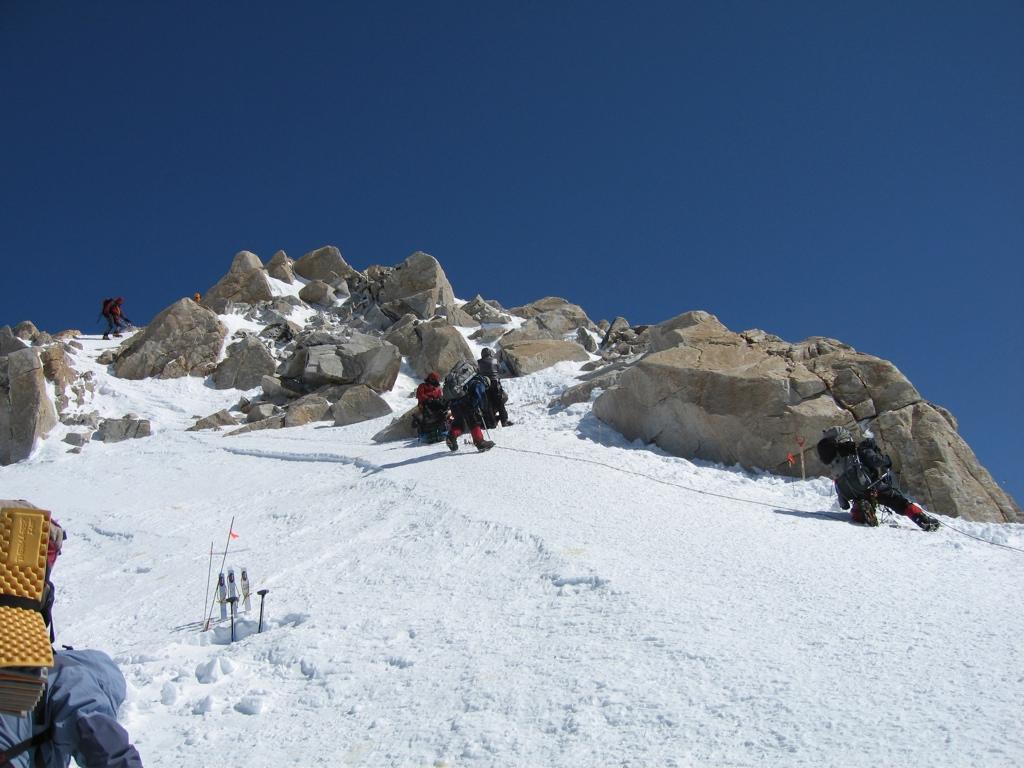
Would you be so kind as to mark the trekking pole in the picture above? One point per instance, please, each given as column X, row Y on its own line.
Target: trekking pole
column 263, row 594
column 231, row 530
column 233, row 601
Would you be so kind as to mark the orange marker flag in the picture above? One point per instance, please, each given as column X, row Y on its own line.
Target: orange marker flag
column 233, row 534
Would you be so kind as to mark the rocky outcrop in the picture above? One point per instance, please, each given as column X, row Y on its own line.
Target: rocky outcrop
column 274, row 422
column 358, row 404
column 125, row 428
column 214, row 421
column 245, row 283
column 708, row 393
column 280, row 267
column 247, row 362
column 418, row 285
column 484, row 311
column 183, row 339
column 26, row 331
column 527, row 357
column 357, row 359
column 317, row 292
column 548, row 318
column 620, row 340
column 307, row 409
column 26, row 411
column 9, row 342
column 325, row 264
column 429, row 346
column 399, row 428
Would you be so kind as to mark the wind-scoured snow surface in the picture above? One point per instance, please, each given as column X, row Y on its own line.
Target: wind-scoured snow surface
column 566, row 599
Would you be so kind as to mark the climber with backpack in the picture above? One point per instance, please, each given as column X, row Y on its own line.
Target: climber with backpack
column 862, row 476
column 431, row 420
column 76, row 714
column 495, row 412
column 465, row 391
column 116, row 321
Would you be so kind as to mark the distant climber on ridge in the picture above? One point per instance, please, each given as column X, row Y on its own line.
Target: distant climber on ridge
column 466, row 393
column 862, row 479
column 116, row 321
column 494, row 412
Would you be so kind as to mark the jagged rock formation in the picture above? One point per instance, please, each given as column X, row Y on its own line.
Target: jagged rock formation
column 429, row 346
column 247, row 362
column 358, row 404
column 246, row 282
column 526, row 357
column 706, row 392
column 183, row 339
column 26, row 411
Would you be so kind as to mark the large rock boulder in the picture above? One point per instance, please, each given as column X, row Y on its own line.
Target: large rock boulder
column 58, row 371
column 125, row 428
column 214, row 421
column 359, row 359
column 9, row 342
column 317, row 292
column 26, row 331
column 527, row 357
column 358, row 404
column 26, row 412
column 548, row 318
column 307, row 409
column 324, row 264
column 708, row 393
column 247, row 362
column 242, row 284
column 429, row 346
column 399, row 428
column 484, row 311
column 280, row 267
column 418, row 285
column 185, row 337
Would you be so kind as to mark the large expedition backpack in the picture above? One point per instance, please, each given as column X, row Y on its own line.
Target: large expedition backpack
column 455, row 382
column 854, row 479
column 834, row 442
column 106, row 306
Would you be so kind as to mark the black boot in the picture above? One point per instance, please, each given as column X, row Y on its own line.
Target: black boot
column 484, row 445
column 452, row 442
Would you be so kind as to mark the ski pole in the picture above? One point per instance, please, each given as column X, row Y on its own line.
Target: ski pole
column 263, row 594
column 232, row 601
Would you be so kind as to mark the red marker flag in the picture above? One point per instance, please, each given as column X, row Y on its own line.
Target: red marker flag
column 233, row 534
column 791, row 459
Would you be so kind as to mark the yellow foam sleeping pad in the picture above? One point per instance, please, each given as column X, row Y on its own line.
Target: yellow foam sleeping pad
column 24, row 639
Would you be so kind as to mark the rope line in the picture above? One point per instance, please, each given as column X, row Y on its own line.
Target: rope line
column 778, row 507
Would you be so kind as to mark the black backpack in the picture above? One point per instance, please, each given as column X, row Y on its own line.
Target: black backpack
column 836, row 441
column 455, row 383
column 105, row 307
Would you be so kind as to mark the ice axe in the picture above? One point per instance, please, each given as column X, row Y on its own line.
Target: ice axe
column 263, row 594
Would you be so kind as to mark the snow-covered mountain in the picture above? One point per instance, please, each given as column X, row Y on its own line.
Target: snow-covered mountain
column 566, row 599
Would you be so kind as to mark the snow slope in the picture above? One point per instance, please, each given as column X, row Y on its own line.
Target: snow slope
column 567, row 599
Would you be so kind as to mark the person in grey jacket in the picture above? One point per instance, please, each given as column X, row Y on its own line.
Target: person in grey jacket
column 77, row 718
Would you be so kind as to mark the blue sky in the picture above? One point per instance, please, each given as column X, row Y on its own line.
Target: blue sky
column 849, row 170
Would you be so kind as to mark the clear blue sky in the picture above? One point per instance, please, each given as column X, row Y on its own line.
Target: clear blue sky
column 853, row 170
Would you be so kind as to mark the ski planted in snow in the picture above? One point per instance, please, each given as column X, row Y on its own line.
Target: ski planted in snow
column 246, row 591
column 222, row 596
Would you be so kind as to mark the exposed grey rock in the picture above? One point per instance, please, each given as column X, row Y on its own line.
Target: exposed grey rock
column 399, row 428
column 68, row 335
column 275, row 388
column 26, row 412
column 274, row 422
column 585, row 340
column 90, row 419
column 26, row 331
column 261, row 411
column 247, row 362
column 77, row 438
column 182, row 339
column 456, row 316
column 488, row 335
column 317, row 292
column 238, row 287
column 361, row 359
column 484, row 311
column 429, row 346
column 126, row 428
column 9, row 342
column 57, row 368
column 214, row 421
column 307, row 409
column 280, row 267
column 712, row 394
column 527, row 357
column 358, row 404
column 582, row 392
column 324, row 264
column 417, row 285
column 245, row 261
